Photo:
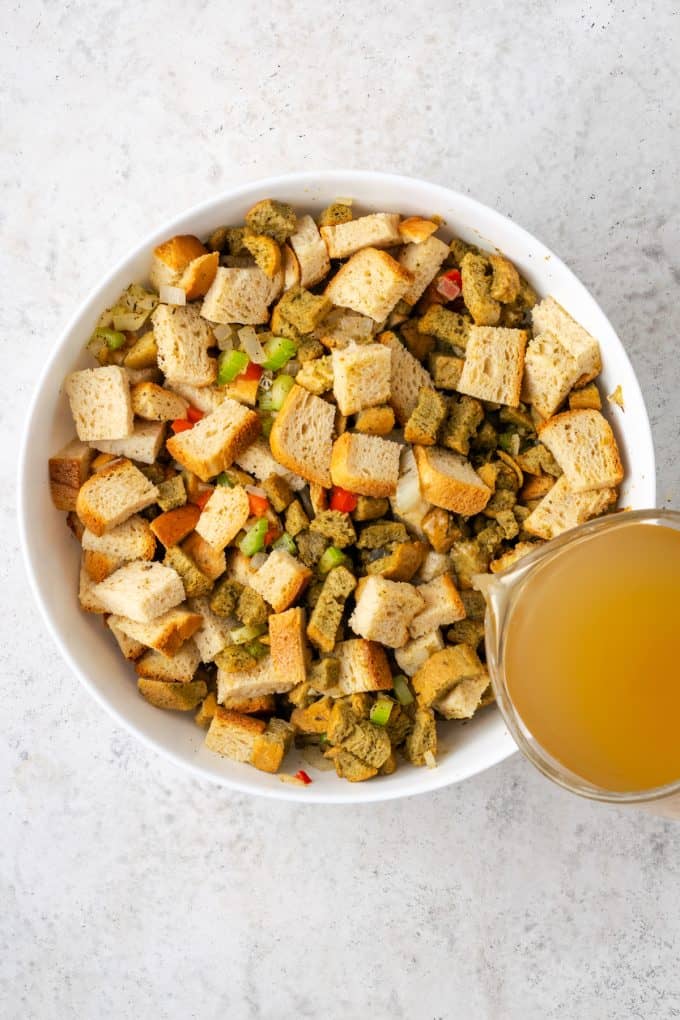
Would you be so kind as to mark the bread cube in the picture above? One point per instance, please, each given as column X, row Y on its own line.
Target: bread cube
column 377, row 230
column 100, row 402
column 549, row 317
column 141, row 591
column 444, row 670
column 494, row 363
column 183, row 339
column 213, row 443
column 143, row 445
column 361, row 376
column 407, row 377
column 563, row 509
column 365, row 464
column 178, row 697
column 583, row 444
column 213, row 634
column 166, row 633
column 131, row 540
column 384, row 609
column 443, row 605
column 288, row 644
column 310, row 252
column 112, row 495
column 448, row 480
column 423, row 260
column 225, row 513
column 371, row 283
column 156, row 403
column 363, row 667
column 281, row 579
column 239, row 296
column 68, row 469
column 170, row 259
column 416, row 652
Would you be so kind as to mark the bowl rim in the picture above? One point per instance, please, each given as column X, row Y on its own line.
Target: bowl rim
column 432, row 779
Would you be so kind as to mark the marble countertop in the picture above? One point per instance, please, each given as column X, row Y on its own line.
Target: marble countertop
column 127, row 888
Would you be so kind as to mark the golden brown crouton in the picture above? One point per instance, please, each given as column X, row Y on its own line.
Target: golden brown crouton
column 174, row 525
column 476, row 277
column 180, row 697
column 206, row 711
column 444, row 670
column 422, row 739
column 288, row 644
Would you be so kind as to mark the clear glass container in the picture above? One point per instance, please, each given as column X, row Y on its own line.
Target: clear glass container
column 502, row 592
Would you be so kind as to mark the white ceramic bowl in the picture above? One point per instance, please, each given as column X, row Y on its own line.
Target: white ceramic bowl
column 52, row 555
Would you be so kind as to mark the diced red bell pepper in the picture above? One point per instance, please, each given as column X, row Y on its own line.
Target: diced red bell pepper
column 193, row 414
column 253, row 371
column 203, row 497
column 303, row 777
column 450, row 285
column 258, row 504
column 343, row 500
column 181, row 425
column 272, row 535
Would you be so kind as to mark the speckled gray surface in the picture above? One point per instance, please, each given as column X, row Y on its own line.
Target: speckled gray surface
column 130, row 890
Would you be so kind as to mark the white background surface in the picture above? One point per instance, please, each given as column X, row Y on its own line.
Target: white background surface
column 128, row 890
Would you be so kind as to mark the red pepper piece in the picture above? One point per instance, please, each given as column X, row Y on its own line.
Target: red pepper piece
column 258, row 504
column 193, row 414
column 303, row 777
column 181, row 425
column 343, row 500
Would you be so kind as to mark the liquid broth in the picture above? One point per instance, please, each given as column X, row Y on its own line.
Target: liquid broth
column 592, row 657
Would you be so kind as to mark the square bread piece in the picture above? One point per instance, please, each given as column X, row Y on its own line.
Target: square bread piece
column 494, row 363
column 583, row 444
column 280, row 579
column 240, row 296
column 423, row 260
column 112, row 495
column 377, row 230
column 365, row 464
column 384, row 609
column 449, row 481
column 301, row 438
column 143, row 445
column 183, row 339
column 562, row 509
column 213, row 443
column 550, row 372
column 443, row 606
column 225, row 513
column 363, row 667
column 100, row 402
column 371, row 283
column 407, row 377
column 141, row 591
column 310, row 254
column 361, row 376
column 549, row 317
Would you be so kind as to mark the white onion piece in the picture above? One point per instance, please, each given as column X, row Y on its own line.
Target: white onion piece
column 407, row 496
column 172, row 295
column 255, row 490
column 293, row 367
column 251, row 345
column 257, row 560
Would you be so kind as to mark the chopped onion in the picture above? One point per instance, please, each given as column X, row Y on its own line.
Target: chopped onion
column 430, row 760
column 255, row 491
column 172, row 295
column 407, row 496
column 257, row 560
column 251, row 345
column 266, row 380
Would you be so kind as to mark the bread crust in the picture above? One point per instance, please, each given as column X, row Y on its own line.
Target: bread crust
column 342, row 474
column 447, row 492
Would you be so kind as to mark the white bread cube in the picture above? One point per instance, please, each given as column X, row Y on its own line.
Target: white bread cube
column 198, row 275
column 416, row 652
column 310, row 252
column 68, row 469
column 213, row 444
column 141, row 591
column 166, row 633
column 100, row 402
column 131, row 540
column 361, row 376
column 363, row 667
column 550, row 372
column 259, row 461
column 225, row 513
column 253, row 683
column 549, row 317
column 301, row 438
column 100, row 565
column 234, row 735
column 183, row 339
column 433, row 566
column 449, row 481
column 443, row 670
column 494, row 364
column 203, row 398
column 423, row 261
column 155, row 403
column 384, row 609
column 86, row 593
column 179, row 668
column 289, row 647
column 443, row 606
column 240, row 568
column 170, row 259
column 365, row 464
column 463, row 700
column 377, row 230
column 113, row 494
column 241, row 296
column 281, row 579
column 213, row 635
column 143, row 445
column 408, row 377
column 562, row 509
column 415, row 229
column 130, row 648
column 583, row 444
column 371, row 283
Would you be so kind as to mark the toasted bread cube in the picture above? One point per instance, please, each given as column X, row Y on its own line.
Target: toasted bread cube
column 251, row 683
column 203, row 398
column 426, row 418
column 422, row 739
column 363, row 667
column 416, row 652
column 174, row 525
column 179, row 697
column 100, row 565
column 494, row 363
column 288, row 645
column 326, row 616
column 143, row 444
column 563, row 509
column 281, row 579
column 290, row 267
column 550, row 371
column 349, row 767
column 155, row 403
column 258, row 460
column 86, row 593
column 131, row 540
column 476, row 282
column 370, row 282
column 586, row 396
column 407, row 377
column 112, row 495
column 443, row 606
column 273, row 218
column 265, row 251
column 213, row 634
column 130, row 648
column 100, row 402
column 449, row 481
column 583, row 444
column 183, row 339
column 512, row 556
column 233, row 735
column 166, row 634
column 68, row 469
column 240, row 295
column 206, row 711
column 302, row 436
column 210, row 561
column 141, row 591
column 377, row 230
column 361, row 376
column 549, row 317
column 423, row 260
column 365, row 464
column 225, row 513
column 310, row 251
column 433, row 565
column 180, row 668
column 375, row 421
column 195, row 582
column 444, row 670
column 415, row 229
column 463, row 700
column 213, row 444
column 170, row 259
column 384, row 609
column 265, row 704
column 314, row 718
column 198, row 275
column 271, row 747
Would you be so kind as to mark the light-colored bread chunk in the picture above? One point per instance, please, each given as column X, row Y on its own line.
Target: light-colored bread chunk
column 213, row 444
column 155, row 403
column 183, row 339
column 363, row 667
column 443, row 606
column 68, row 469
column 494, row 363
column 281, row 579
column 143, row 445
column 178, row 697
column 423, row 260
column 170, row 259
column 210, row 561
column 463, row 700
column 408, row 377
column 113, row 494
column 86, row 593
column 240, row 568
column 131, row 540
column 310, row 251
column 550, row 372
column 416, row 652
column 233, row 735
column 549, row 317
column 290, row 267
column 203, row 398
column 365, row 464
column 240, row 296
column 179, row 668
column 377, row 230
column 141, row 591
column 432, row 566
column 130, row 649
column 583, row 444
column 258, row 460
column 213, row 635
column 100, row 565
column 563, row 509
column 166, row 633
column 100, row 402
column 371, row 283
column 199, row 274
column 289, row 647
column 302, row 436
column 443, row 671
column 361, row 376
column 450, row 481
column 415, row 229
column 225, row 513
column 384, row 609
column 251, row 683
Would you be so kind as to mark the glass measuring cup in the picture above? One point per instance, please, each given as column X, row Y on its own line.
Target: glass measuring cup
column 503, row 592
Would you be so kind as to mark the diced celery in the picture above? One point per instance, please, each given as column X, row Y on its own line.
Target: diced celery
column 402, row 691
column 266, row 420
column 253, row 540
column 229, row 365
column 278, row 352
column 111, row 337
column 287, row 543
column 243, row 635
column 280, row 390
column 331, row 558
column 381, row 711
column 225, row 479
column 264, row 401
